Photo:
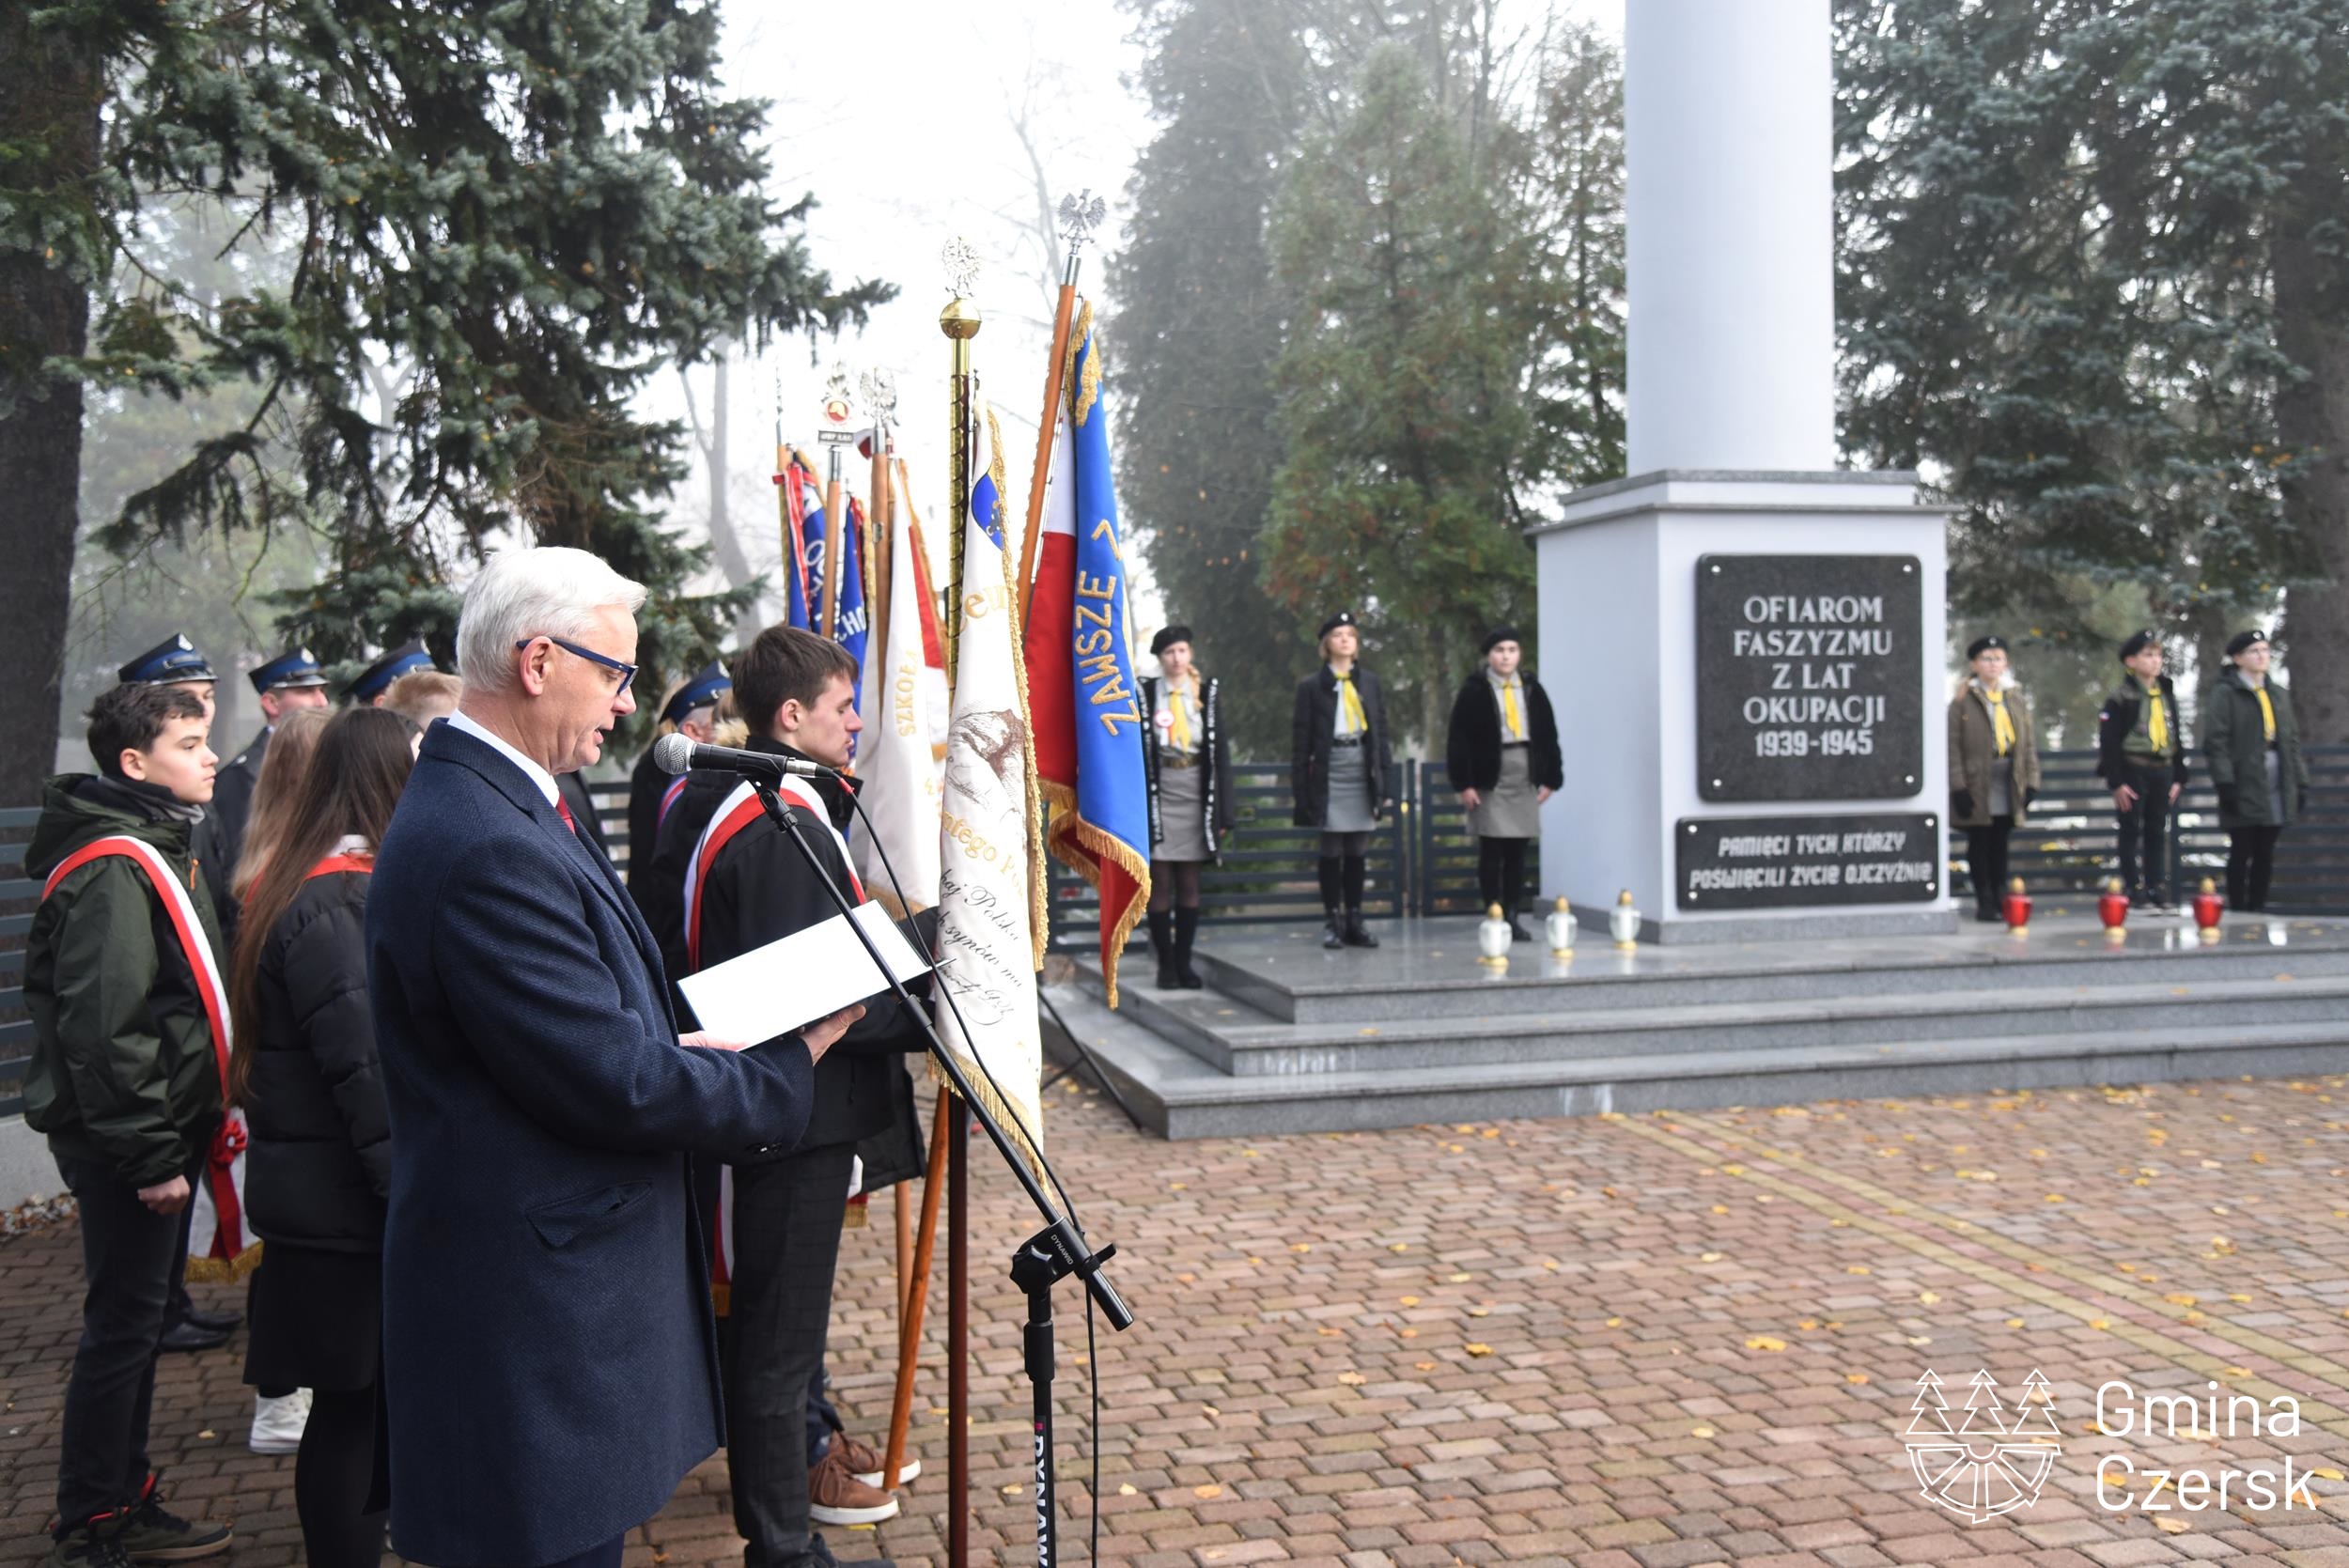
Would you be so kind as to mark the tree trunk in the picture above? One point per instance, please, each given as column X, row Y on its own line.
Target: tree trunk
column 48, row 102
column 2312, row 419
column 725, row 544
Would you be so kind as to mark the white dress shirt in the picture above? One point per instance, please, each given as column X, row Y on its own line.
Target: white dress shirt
column 465, row 721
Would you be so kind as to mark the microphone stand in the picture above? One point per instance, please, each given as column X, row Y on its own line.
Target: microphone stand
column 1041, row 1261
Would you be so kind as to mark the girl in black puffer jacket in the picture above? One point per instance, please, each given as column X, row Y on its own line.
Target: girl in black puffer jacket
column 319, row 1168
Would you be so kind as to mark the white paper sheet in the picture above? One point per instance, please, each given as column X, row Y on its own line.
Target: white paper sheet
column 774, row 989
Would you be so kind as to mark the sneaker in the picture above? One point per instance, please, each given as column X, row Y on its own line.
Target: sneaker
column 867, row 1462
column 278, row 1423
column 155, row 1534
column 95, row 1545
column 836, row 1497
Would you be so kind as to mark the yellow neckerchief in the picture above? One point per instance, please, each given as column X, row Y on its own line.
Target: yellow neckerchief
column 1512, row 716
column 2267, row 709
column 1351, row 720
column 1178, row 730
column 2157, row 724
column 2001, row 722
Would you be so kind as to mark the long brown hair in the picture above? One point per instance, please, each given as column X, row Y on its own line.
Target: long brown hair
column 285, row 765
column 349, row 791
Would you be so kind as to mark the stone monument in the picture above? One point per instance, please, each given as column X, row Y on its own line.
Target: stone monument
column 1744, row 642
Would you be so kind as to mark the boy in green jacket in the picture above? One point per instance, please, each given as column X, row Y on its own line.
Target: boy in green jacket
column 121, row 978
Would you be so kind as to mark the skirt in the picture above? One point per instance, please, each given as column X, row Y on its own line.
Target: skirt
column 317, row 1319
column 1349, row 808
column 1182, row 814
column 1511, row 808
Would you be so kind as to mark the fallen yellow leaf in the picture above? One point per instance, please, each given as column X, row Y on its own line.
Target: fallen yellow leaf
column 2100, row 1323
column 1615, row 1323
column 1126, row 1489
column 1708, row 1257
column 1854, row 1377
column 1352, row 1379
column 1209, row 1490
column 1410, row 1300
column 1928, row 1296
column 1459, row 1279
column 2169, row 1523
column 2014, row 1323
column 1764, row 1342
column 1425, row 1366
column 1857, row 1269
column 1475, row 1349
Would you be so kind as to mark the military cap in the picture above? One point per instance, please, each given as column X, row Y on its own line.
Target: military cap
column 702, row 689
column 167, row 663
column 376, row 679
column 297, row 668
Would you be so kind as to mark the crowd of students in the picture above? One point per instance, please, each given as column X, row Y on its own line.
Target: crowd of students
column 205, row 1069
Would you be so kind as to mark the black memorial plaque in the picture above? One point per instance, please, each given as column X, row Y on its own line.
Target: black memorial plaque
column 1776, row 863
column 1809, row 677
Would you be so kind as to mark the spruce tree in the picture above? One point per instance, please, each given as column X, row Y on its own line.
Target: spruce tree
column 525, row 209
column 1400, row 381
column 1199, row 324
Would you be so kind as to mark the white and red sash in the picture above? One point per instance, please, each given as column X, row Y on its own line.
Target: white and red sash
column 218, row 1247
column 738, row 811
column 668, row 798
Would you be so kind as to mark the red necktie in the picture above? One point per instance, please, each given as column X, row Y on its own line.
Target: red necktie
column 563, row 810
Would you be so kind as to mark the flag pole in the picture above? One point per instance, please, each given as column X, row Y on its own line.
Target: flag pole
column 917, row 1291
column 1079, row 215
column 959, row 321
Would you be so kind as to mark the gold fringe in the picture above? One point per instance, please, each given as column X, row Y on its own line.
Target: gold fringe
column 1081, row 846
column 854, row 1217
column 1086, row 390
column 224, row 1271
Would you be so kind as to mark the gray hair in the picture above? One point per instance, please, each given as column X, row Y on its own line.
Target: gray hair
column 548, row 591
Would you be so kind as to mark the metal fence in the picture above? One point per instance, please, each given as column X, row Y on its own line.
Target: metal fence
column 2070, row 840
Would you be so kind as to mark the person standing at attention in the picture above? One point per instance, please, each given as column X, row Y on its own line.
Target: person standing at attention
column 1994, row 769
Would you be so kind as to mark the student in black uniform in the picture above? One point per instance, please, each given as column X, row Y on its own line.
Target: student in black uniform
column 2251, row 741
column 289, row 681
column 1187, row 767
column 688, row 709
column 1340, row 774
column 751, row 886
column 2140, row 749
column 1502, row 754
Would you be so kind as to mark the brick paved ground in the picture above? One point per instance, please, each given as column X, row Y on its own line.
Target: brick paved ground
column 1644, row 1342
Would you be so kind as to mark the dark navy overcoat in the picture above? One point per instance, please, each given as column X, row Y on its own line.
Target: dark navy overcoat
column 551, row 1365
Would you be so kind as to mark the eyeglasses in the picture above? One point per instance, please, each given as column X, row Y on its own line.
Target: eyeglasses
column 627, row 672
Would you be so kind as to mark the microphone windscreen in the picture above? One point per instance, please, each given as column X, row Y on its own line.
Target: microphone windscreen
column 672, row 753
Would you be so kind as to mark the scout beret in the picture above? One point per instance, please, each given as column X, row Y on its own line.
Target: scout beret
column 2138, row 642
column 1499, row 635
column 2242, row 640
column 1167, row 637
column 1344, row 618
column 1981, row 645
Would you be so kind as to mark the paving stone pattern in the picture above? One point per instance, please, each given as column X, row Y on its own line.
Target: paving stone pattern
column 1652, row 1342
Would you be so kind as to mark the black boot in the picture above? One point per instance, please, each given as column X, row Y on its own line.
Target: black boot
column 1517, row 932
column 1357, row 934
column 1186, row 932
column 1332, row 930
column 1162, row 944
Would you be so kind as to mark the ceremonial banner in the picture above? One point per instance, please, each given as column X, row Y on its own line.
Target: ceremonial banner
column 1090, row 728
column 987, row 892
column 851, row 618
column 895, row 761
column 803, row 581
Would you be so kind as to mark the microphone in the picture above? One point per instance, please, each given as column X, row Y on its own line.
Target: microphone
column 677, row 753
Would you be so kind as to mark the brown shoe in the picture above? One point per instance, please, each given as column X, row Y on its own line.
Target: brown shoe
column 836, row 1497
column 867, row 1462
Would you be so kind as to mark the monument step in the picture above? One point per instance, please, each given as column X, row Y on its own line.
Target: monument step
column 1237, row 1039
column 1428, row 967
column 1182, row 1096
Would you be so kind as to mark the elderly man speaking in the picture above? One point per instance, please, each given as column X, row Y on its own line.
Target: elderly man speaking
column 551, row 1365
